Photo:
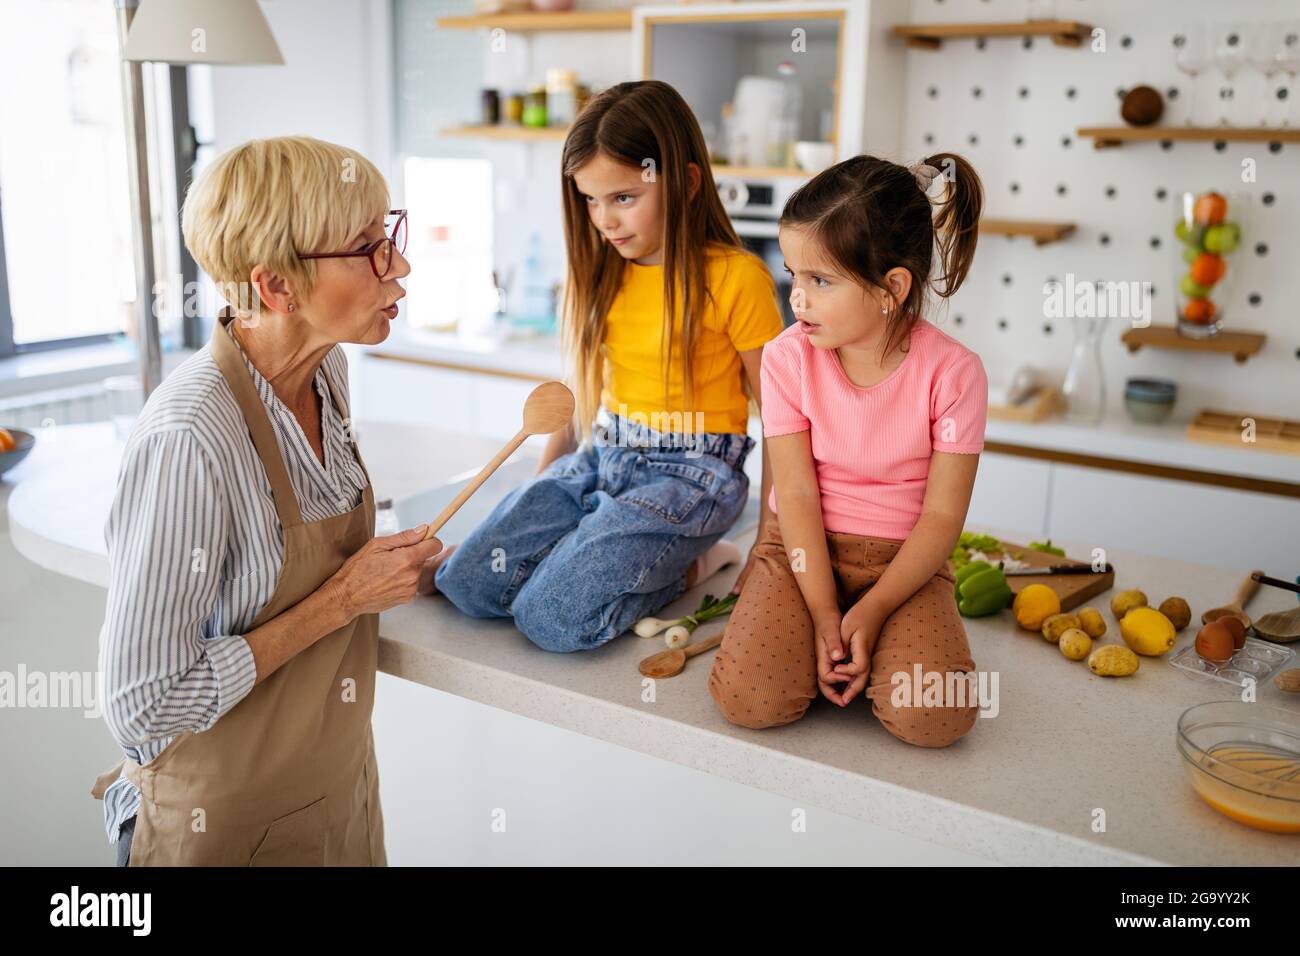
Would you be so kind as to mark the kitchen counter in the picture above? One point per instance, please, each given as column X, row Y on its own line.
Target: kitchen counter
column 1023, row 787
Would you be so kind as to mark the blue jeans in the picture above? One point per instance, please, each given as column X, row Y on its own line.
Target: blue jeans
column 603, row 537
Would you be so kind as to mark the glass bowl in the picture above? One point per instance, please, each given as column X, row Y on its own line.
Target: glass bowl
column 1244, row 761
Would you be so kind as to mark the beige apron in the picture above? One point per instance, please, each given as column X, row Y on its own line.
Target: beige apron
column 287, row 777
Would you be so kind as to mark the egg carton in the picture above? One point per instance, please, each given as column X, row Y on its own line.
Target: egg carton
column 1257, row 660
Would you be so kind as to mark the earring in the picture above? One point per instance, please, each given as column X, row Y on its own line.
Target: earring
column 292, row 307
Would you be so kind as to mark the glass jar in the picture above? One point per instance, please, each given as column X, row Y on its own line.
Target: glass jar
column 1209, row 226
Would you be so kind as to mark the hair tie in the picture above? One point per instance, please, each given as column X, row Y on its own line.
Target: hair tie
column 924, row 174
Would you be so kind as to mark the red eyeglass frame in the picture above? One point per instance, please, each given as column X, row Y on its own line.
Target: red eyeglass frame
column 370, row 250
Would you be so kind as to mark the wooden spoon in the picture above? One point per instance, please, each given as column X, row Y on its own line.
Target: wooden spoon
column 1281, row 627
column 672, row 662
column 549, row 408
column 1244, row 594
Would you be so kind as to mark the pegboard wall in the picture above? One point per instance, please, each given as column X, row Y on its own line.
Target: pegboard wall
column 1012, row 106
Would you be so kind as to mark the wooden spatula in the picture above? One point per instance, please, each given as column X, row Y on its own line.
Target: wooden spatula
column 1281, row 627
column 672, row 662
column 549, row 408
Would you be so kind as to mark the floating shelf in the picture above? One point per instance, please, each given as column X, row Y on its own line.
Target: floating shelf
column 931, row 36
column 543, row 22
column 1041, row 232
column 1241, row 345
column 524, row 133
column 1107, row 137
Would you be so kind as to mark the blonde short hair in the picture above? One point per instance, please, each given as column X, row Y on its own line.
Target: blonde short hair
column 269, row 199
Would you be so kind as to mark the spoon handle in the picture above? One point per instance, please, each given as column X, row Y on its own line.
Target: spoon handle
column 1276, row 582
column 701, row 646
column 473, row 486
column 1247, row 589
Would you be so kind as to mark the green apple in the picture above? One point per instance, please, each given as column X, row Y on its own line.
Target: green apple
column 1222, row 238
column 1193, row 289
column 1191, row 234
column 1190, row 253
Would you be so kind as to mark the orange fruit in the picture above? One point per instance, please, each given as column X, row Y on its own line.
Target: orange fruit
column 7, row 442
column 1210, row 209
column 1200, row 311
column 1207, row 268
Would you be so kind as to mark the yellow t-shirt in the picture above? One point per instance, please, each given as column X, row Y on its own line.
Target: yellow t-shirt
column 745, row 317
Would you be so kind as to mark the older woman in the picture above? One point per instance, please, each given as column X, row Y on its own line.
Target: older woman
column 241, row 633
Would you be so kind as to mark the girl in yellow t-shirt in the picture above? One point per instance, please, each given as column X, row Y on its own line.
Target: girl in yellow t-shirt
column 665, row 318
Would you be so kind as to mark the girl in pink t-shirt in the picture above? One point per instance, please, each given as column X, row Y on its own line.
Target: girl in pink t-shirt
column 874, row 420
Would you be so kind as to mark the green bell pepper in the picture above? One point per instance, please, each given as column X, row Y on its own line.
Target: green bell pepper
column 966, row 570
column 983, row 592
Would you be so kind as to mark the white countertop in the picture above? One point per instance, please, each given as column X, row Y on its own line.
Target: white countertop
column 1022, row 787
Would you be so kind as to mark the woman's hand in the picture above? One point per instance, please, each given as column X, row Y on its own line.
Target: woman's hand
column 860, row 629
column 385, row 572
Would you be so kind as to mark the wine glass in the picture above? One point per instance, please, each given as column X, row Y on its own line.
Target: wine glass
column 1230, row 56
column 1192, row 56
column 1263, row 44
column 1288, row 58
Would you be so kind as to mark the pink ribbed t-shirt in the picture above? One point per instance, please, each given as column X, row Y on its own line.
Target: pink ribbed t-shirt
column 871, row 446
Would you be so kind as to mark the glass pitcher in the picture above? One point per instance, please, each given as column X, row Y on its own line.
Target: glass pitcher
column 1085, row 387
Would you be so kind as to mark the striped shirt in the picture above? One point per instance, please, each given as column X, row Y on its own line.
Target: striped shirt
column 195, row 549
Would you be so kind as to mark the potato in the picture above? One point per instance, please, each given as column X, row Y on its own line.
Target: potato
column 1125, row 601
column 1113, row 661
column 1092, row 623
column 1075, row 644
column 1176, row 609
column 1058, row 624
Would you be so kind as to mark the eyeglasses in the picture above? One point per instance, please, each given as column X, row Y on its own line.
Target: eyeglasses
column 379, row 252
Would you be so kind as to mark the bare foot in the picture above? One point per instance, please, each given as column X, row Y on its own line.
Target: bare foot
column 712, row 561
column 430, row 568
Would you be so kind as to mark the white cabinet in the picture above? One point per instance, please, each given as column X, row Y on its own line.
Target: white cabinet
column 1176, row 519
column 1011, row 493
column 1162, row 517
column 473, row 402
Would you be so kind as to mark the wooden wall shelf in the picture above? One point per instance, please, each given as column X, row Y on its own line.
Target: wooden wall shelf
column 521, row 133
column 1107, row 137
column 542, row 22
column 1240, row 345
column 931, row 36
column 1041, row 232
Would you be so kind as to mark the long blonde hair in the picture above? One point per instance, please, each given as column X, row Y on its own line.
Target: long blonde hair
column 632, row 123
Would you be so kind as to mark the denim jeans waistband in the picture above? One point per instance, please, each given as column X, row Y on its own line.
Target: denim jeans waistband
column 612, row 429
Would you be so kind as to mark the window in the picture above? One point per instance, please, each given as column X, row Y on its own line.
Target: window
column 67, row 269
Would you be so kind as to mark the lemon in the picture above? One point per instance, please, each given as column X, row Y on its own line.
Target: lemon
column 1035, row 604
column 1147, row 631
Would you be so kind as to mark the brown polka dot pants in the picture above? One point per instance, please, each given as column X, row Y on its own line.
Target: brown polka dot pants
column 765, row 672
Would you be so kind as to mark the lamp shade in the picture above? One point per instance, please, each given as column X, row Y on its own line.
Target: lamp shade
column 201, row 31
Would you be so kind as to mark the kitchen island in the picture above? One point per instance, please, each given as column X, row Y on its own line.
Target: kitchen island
column 1024, row 787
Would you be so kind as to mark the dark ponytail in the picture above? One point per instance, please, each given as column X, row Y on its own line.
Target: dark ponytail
column 957, row 225
column 871, row 215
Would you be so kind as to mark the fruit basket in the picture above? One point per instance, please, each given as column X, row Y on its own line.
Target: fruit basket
column 1209, row 230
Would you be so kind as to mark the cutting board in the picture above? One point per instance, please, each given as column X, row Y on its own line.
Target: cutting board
column 1072, row 589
